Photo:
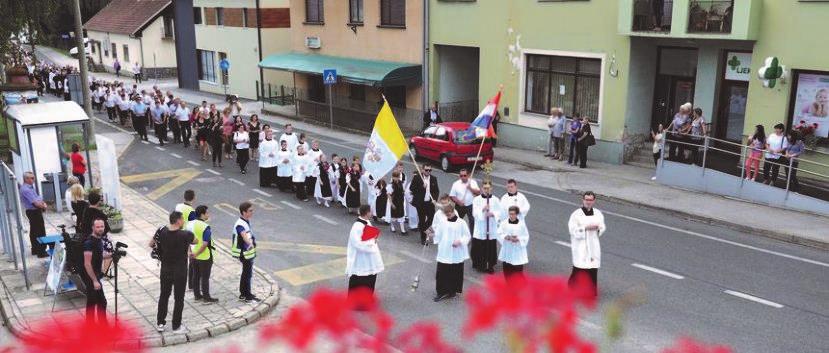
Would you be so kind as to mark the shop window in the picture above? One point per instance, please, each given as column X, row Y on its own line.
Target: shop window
column 393, row 13
column 207, row 65
column 355, row 11
column 809, row 107
column 567, row 82
column 314, row 11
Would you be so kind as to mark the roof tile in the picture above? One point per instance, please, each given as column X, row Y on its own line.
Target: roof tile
column 125, row 16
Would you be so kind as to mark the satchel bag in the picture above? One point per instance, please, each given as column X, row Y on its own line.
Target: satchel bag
column 590, row 140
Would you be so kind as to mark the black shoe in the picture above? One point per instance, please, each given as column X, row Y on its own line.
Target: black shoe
column 252, row 299
column 241, row 297
column 43, row 255
column 210, row 300
column 438, row 298
column 198, row 298
column 490, row 270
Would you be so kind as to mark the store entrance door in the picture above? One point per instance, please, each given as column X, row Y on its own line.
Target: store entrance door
column 674, row 83
column 732, row 113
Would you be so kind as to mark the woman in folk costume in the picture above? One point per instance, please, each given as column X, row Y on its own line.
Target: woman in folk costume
column 341, row 180
column 452, row 237
column 586, row 225
column 322, row 189
column 513, row 237
column 381, row 203
column 352, row 192
column 397, row 213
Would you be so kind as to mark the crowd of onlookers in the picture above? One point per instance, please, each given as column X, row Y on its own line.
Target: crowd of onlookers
column 575, row 133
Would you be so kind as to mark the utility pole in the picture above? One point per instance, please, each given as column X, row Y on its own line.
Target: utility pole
column 87, row 103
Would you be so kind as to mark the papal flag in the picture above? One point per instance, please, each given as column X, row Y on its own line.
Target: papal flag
column 385, row 146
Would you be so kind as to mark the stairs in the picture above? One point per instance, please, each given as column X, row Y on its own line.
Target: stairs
column 641, row 158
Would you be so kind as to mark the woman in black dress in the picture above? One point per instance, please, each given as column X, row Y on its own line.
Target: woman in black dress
column 352, row 193
column 396, row 193
column 202, row 126
column 381, row 202
column 343, row 172
column 216, row 138
column 322, row 189
column 254, row 128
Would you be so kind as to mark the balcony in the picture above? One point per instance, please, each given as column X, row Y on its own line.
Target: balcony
column 690, row 19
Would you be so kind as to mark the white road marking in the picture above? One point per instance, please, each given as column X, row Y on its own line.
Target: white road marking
column 326, row 220
column 145, row 142
column 754, row 299
column 286, row 203
column 193, row 163
column 236, row 181
column 175, row 155
column 116, row 127
column 562, row 243
column 159, row 148
column 260, row 192
column 658, row 271
column 213, row 172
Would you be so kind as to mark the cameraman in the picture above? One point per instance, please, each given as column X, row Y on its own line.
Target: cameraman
column 174, row 243
column 202, row 254
column 93, row 257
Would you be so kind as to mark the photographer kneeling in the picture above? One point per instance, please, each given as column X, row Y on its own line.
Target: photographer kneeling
column 93, row 257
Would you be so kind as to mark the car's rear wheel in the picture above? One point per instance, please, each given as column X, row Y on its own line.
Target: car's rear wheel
column 444, row 164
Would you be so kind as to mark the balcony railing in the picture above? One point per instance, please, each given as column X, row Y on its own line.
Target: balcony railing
column 710, row 16
column 652, row 15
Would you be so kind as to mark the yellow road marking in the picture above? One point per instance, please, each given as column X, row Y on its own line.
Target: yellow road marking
column 325, row 270
column 265, row 205
column 303, row 248
column 178, row 178
column 231, row 210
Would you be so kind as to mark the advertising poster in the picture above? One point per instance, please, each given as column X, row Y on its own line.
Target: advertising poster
column 811, row 105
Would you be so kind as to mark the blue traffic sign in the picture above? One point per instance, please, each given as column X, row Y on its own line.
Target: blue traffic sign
column 224, row 65
column 329, row 76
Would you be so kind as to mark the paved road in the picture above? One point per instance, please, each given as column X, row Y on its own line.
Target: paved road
column 712, row 283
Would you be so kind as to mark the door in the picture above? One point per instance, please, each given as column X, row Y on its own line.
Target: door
column 670, row 93
column 732, row 112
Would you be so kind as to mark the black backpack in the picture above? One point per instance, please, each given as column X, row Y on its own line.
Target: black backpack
column 155, row 252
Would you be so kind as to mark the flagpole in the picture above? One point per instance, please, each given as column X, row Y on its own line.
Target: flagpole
column 483, row 140
column 414, row 161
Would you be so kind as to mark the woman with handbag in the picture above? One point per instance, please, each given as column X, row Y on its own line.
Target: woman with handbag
column 585, row 140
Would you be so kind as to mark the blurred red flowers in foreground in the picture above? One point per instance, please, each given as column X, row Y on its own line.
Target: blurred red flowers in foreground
column 688, row 345
column 72, row 334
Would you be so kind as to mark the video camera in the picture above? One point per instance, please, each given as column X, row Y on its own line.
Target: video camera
column 119, row 251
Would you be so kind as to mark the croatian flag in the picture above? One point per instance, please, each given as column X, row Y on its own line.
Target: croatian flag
column 482, row 125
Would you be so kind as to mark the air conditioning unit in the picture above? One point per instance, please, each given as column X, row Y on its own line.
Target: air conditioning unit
column 313, row 42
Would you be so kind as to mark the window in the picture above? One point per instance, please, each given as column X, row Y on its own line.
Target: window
column 207, row 65
column 93, row 48
column 220, row 16
column 197, row 19
column 168, row 27
column 355, row 11
column 314, row 11
column 393, row 13
column 566, row 82
column 808, row 105
column 244, row 17
column 114, row 51
column 223, row 56
column 106, row 51
column 126, row 53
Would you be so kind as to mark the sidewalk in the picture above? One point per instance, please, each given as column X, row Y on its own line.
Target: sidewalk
column 621, row 183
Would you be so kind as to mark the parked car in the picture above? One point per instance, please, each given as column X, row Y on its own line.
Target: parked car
column 440, row 143
column 74, row 50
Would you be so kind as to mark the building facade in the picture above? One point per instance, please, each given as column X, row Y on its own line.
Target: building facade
column 374, row 45
column 628, row 64
column 242, row 32
column 134, row 32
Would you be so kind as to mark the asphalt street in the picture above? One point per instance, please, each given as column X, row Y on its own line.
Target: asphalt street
column 708, row 282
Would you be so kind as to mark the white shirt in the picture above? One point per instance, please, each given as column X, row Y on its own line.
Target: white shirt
column 136, row 69
column 776, row 142
column 460, row 191
column 292, row 140
column 513, row 253
column 124, row 104
column 241, row 139
column 315, row 155
column 283, row 160
column 445, row 235
column 518, row 200
column 362, row 257
column 584, row 244
column 266, row 149
column 111, row 100
column 183, row 114
column 484, row 223
column 301, row 167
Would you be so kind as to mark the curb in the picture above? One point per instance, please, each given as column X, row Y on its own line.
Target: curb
column 789, row 238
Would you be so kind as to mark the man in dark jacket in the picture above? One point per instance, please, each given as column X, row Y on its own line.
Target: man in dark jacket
column 431, row 116
column 424, row 196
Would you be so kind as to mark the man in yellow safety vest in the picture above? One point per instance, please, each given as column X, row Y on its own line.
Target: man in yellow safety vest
column 202, row 254
column 243, row 246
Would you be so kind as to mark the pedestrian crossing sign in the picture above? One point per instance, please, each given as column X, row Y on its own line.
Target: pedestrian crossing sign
column 329, row 76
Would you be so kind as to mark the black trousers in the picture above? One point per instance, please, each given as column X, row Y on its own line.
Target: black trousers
column 425, row 213
column 245, row 279
column 111, row 113
column 36, row 230
column 582, row 155
column 284, row 183
column 770, row 171
column 242, row 158
column 512, row 271
column 464, row 211
column 573, row 157
column 186, row 132
column 191, row 273
column 791, row 173
column 96, row 302
column 122, row 116
column 299, row 188
column 590, row 273
column 161, row 132
column 81, row 178
column 449, row 278
column 201, row 278
column 484, row 254
column 175, row 283
column 355, row 282
column 216, row 150
column 267, row 176
column 139, row 123
column 310, row 185
column 176, row 129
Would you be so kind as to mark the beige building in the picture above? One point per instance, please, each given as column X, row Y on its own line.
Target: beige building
column 231, row 30
column 375, row 46
column 132, row 31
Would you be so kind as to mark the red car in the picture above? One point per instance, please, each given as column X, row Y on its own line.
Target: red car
column 440, row 143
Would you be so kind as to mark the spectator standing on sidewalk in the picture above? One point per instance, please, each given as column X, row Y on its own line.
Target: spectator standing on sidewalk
column 136, row 72
column 93, row 257
column 34, row 206
column 658, row 138
column 796, row 148
column 556, row 123
column 432, row 116
column 174, row 243
column 698, row 132
column 676, row 150
column 78, row 164
column 756, row 144
column 117, row 67
column 586, row 225
column 585, row 140
column 243, row 247
column 574, row 130
column 202, row 251
column 776, row 145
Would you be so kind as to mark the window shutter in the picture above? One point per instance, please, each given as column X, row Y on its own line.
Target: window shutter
column 398, row 12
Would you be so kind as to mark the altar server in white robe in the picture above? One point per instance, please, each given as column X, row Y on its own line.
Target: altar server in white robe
column 363, row 260
column 487, row 212
column 513, row 237
column 284, row 170
column 586, row 225
column 513, row 197
column 267, row 160
column 301, row 165
column 452, row 237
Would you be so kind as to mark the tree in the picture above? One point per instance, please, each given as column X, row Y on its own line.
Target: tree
column 22, row 19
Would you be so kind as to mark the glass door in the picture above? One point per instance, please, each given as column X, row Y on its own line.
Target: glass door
column 731, row 119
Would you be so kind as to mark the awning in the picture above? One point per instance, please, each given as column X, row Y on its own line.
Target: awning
column 357, row 71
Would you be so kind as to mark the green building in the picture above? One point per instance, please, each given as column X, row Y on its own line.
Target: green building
column 629, row 64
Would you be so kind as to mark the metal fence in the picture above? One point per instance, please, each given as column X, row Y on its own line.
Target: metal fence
column 11, row 221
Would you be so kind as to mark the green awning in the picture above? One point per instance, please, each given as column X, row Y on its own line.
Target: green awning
column 357, row 71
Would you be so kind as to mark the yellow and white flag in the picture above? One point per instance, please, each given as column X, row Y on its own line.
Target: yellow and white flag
column 385, row 146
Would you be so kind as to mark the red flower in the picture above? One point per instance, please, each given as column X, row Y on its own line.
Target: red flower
column 70, row 334
column 423, row 337
column 689, row 345
column 339, row 317
column 532, row 309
